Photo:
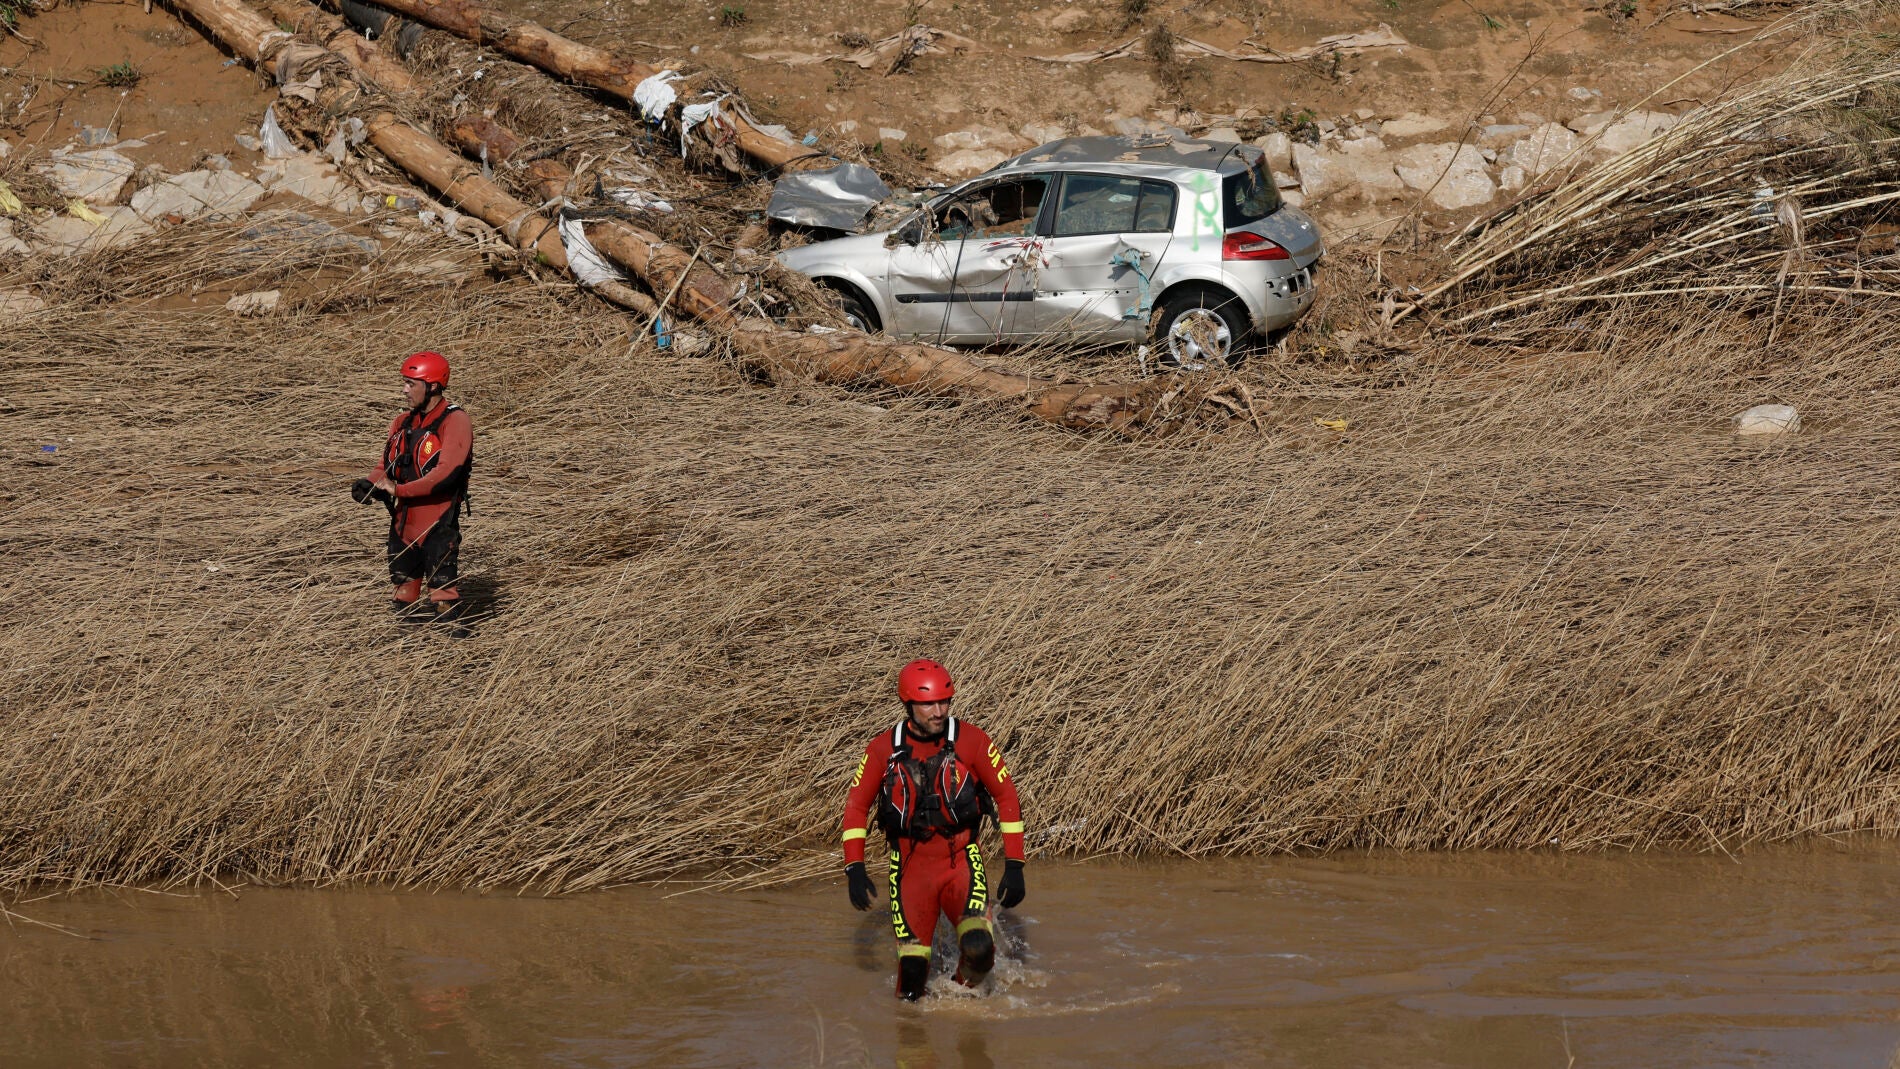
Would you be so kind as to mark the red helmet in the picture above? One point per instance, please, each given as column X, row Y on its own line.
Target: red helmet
column 431, row 368
column 924, row 681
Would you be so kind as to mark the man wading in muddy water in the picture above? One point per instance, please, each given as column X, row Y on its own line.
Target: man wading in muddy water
column 423, row 479
column 932, row 779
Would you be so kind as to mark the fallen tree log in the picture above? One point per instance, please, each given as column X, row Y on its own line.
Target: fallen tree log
column 583, row 64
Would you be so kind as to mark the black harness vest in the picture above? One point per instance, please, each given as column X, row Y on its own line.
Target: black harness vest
column 402, row 465
column 939, row 795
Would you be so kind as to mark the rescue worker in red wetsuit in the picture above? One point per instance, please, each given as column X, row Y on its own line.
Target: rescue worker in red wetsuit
column 931, row 779
column 424, row 480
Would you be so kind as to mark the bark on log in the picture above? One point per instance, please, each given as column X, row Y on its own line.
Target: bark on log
column 704, row 294
column 451, row 174
column 596, row 68
column 848, row 357
column 551, row 179
column 484, row 138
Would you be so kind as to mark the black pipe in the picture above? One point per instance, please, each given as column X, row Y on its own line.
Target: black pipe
column 375, row 22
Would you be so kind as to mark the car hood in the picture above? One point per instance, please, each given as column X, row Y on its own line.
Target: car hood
column 859, row 250
column 1295, row 231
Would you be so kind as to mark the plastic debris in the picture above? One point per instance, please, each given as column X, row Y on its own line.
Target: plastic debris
column 661, row 336
column 1335, row 424
column 655, row 95
column 256, row 303
column 49, row 449
column 277, row 145
column 78, row 209
column 583, row 259
column 835, row 197
column 693, row 114
column 639, row 199
column 9, row 201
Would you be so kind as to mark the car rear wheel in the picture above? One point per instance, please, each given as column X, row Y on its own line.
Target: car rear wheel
column 1199, row 329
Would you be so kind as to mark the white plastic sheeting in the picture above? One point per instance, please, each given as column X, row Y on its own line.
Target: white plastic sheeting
column 693, row 114
column 583, row 259
column 655, row 95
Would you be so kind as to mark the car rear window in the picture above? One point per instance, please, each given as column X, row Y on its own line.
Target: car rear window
column 1112, row 204
column 1249, row 195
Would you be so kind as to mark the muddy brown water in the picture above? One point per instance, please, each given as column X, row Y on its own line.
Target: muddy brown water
column 1783, row 957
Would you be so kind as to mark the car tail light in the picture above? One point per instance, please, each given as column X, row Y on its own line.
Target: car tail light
column 1245, row 246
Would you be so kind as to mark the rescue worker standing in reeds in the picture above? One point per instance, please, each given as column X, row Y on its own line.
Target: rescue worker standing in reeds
column 932, row 778
column 424, row 480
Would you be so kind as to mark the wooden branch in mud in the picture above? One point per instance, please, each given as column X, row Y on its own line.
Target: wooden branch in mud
column 596, row 68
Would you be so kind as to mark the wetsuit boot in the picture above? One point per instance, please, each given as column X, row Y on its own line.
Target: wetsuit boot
column 913, row 972
column 978, row 955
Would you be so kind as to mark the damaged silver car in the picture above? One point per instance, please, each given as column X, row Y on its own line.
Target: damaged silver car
column 1180, row 242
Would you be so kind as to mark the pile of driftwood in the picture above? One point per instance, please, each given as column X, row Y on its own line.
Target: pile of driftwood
column 342, row 78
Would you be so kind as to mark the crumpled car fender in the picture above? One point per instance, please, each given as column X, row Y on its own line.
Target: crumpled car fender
column 1172, row 275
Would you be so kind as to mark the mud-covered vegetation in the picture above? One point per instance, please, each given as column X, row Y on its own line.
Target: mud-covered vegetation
column 1523, row 589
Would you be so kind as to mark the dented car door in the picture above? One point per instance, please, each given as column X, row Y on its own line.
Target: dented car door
column 1107, row 234
column 964, row 282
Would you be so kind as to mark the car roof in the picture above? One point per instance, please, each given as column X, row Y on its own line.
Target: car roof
column 1140, row 154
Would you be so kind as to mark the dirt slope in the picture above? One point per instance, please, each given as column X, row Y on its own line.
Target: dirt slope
column 138, row 73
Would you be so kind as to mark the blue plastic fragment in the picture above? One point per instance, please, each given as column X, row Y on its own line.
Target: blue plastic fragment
column 1132, row 258
column 661, row 336
column 811, row 138
column 49, row 449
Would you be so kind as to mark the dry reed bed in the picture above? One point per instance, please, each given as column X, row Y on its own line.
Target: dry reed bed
column 1783, row 190
column 1521, row 603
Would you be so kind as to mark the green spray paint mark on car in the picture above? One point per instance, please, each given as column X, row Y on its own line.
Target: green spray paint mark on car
column 1206, row 209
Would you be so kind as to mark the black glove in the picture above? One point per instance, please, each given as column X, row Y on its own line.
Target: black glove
column 1012, row 892
column 365, row 491
column 861, row 887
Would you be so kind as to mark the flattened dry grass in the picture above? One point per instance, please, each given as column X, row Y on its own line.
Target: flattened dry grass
column 1528, row 599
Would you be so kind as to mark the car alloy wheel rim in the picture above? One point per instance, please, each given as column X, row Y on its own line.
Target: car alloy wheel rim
column 1198, row 337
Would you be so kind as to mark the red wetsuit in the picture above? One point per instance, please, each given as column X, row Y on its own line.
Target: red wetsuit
column 427, row 456
column 424, row 500
column 942, row 873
